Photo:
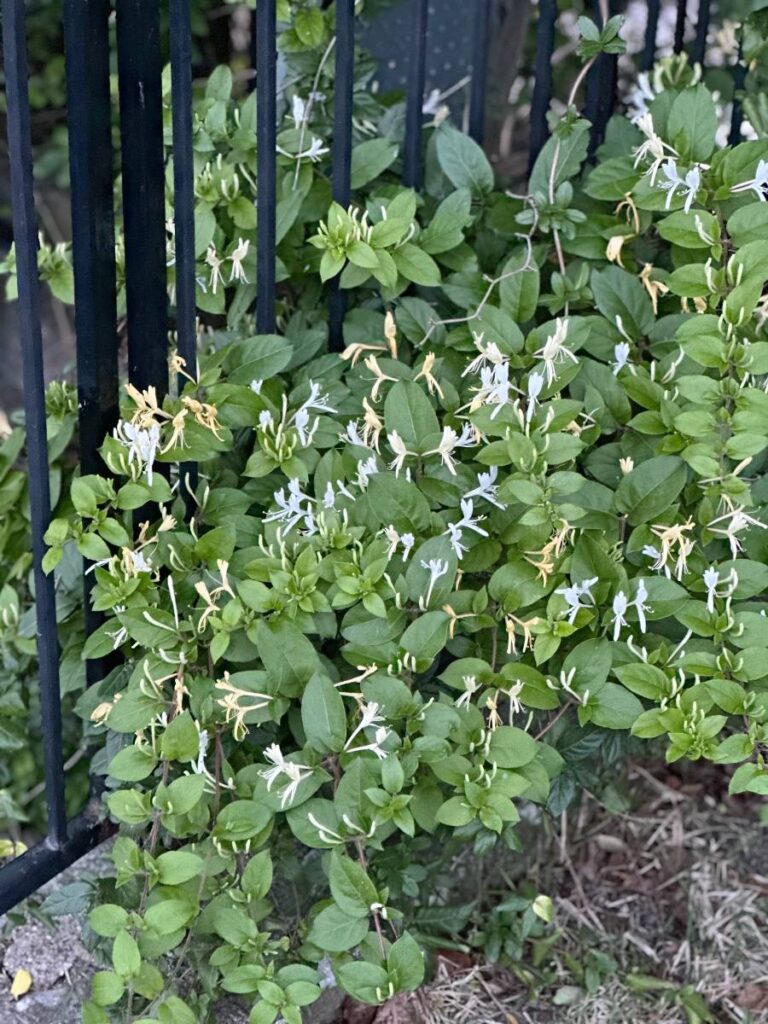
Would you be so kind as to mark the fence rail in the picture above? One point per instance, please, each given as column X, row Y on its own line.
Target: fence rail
column 86, row 34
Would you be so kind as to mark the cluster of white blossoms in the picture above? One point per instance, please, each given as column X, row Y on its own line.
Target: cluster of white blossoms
column 143, row 445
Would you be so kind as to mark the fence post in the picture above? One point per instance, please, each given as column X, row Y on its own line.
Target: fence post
column 266, row 133
column 25, row 239
column 542, row 88
column 89, row 109
column 342, row 145
column 414, row 117
column 141, row 126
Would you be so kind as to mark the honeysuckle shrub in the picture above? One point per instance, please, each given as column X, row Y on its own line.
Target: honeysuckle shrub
column 421, row 582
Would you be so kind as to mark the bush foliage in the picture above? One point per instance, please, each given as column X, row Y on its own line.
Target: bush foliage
column 440, row 575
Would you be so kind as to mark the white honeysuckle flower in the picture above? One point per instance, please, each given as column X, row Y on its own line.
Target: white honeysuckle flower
column 202, row 747
column 436, row 568
column 215, row 262
column 236, row 258
column 468, row 519
column 397, row 445
column 257, row 385
column 621, row 354
column 317, row 148
column 554, row 351
column 736, row 520
column 471, row 686
column 490, row 356
column 143, row 445
column 302, row 427
column 365, row 470
column 626, row 465
column 641, row 95
column 455, row 535
column 711, row 580
column 352, row 435
column 298, row 110
column 535, row 387
column 289, row 508
column 449, row 442
column 689, row 185
column 382, row 734
column 620, row 605
column 494, row 388
column 329, row 498
column 640, row 606
column 408, row 541
column 487, row 488
column 653, row 147
column 393, row 537
column 370, row 715
column 317, row 400
column 758, row 184
column 572, row 596
column 266, row 420
column 295, row 773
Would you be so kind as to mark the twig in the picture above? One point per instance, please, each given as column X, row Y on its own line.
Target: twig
column 528, row 265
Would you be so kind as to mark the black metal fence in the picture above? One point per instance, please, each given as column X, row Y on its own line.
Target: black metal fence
column 139, row 62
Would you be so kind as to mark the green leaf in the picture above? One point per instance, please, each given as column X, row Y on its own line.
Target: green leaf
column 169, row 915
column 405, row 964
column 416, row 266
column 613, row 707
column 651, row 488
column 258, row 358
column 519, row 287
column 408, row 411
column 181, row 740
column 126, row 958
column 132, row 764
column 256, row 880
column 351, row 888
column 620, row 294
column 106, row 988
column 177, row 866
column 444, row 232
column 108, row 919
column 749, row 224
column 370, row 159
column 335, row 932
column 511, row 747
column 462, row 161
column 571, row 153
column 323, row 715
column 692, row 124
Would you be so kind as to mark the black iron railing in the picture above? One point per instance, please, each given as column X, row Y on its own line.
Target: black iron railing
column 139, row 58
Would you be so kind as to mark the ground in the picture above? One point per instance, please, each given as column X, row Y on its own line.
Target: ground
column 661, row 910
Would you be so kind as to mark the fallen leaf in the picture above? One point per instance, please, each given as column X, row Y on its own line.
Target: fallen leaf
column 22, row 983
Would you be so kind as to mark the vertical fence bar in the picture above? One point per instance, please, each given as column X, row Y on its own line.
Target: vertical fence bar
column 25, row 238
column 542, row 87
column 479, row 69
column 680, row 26
column 86, row 28
column 702, row 27
column 651, row 28
column 342, row 146
column 601, row 86
column 739, row 78
column 417, row 72
column 141, row 125
column 266, row 129
column 184, row 201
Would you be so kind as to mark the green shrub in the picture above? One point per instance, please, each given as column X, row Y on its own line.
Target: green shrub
column 524, row 508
